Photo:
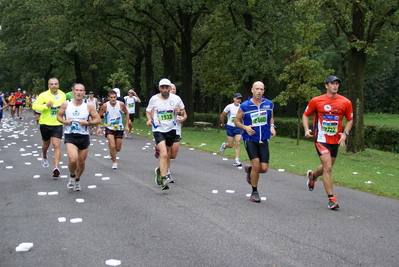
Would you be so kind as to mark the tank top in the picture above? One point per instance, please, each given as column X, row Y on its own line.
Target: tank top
column 113, row 117
column 93, row 102
column 76, row 113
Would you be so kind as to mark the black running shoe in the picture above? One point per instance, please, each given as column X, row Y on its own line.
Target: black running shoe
column 248, row 169
column 255, row 197
column 311, row 182
column 333, row 204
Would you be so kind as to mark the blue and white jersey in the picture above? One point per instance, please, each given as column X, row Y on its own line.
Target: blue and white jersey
column 259, row 117
column 113, row 117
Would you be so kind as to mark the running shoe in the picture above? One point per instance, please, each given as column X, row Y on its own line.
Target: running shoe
column 77, row 187
column 115, row 165
column 56, row 172
column 248, row 169
column 45, row 163
column 71, row 183
column 254, row 197
column 311, row 182
column 91, row 132
column 158, row 178
column 222, row 148
column 169, row 178
column 164, row 184
column 156, row 152
column 333, row 204
column 237, row 163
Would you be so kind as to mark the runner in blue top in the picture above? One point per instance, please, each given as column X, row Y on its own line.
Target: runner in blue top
column 255, row 117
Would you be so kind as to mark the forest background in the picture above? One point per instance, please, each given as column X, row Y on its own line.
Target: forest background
column 209, row 49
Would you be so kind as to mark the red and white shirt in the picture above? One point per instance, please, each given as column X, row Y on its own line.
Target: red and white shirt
column 328, row 115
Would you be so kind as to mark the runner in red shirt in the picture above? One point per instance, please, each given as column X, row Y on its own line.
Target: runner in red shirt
column 328, row 110
column 19, row 103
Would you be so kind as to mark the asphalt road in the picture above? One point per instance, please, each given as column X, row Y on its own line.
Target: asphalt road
column 129, row 218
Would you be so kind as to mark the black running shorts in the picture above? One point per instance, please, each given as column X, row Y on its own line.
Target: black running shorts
column 168, row 137
column 258, row 149
column 81, row 141
column 48, row 131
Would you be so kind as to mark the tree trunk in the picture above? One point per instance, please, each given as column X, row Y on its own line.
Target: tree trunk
column 169, row 62
column 94, row 75
column 357, row 62
column 137, row 79
column 187, row 68
column 149, row 71
column 78, row 68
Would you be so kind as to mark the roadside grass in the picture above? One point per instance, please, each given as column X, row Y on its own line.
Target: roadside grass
column 371, row 171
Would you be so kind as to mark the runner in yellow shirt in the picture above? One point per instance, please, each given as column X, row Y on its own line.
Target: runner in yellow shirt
column 48, row 103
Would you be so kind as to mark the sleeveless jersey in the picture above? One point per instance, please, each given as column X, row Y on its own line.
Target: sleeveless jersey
column 76, row 113
column 259, row 117
column 93, row 102
column 113, row 117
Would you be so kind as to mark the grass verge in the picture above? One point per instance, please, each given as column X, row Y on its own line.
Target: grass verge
column 371, row 171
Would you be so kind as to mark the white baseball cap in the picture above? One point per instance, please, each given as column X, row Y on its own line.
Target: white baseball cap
column 165, row 81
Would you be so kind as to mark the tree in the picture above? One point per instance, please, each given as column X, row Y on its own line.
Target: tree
column 303, row 71
column 367, row 25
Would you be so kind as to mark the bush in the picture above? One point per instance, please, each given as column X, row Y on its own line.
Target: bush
column 207, row 117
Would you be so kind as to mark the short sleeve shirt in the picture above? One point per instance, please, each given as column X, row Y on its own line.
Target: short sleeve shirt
column 163, row 112
column 231, row 111
column 328, row 115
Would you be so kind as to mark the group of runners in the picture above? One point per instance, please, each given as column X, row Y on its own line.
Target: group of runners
column 252, row 121
column 74, row 116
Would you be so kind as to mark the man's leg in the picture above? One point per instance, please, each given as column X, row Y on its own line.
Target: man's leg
column 72, row 152
column 163, row 158
column 45, row 146
column 327, row 163
column 229, row 142
column 237, row 139
column 57, row 150
column 118, row 145
column 81, row 164
column 174, row 150
column 111, row 146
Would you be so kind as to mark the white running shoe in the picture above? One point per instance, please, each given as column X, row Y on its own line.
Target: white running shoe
column 77, row 186
column 71, row 183
column 169, row 178
column 115, row 165
column 222, row 148
column 237, row 163
column 45, row 163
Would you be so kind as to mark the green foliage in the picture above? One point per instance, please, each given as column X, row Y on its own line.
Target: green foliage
column 119, row 79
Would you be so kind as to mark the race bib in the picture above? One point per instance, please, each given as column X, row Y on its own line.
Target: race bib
column 131, row 105
column 232, row 119
column 75, row 126
column 54, row 111
column 330, row 127
column 166, row 115
column 259, row 118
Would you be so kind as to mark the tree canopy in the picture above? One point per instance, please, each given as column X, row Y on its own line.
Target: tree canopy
column 209, row 49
